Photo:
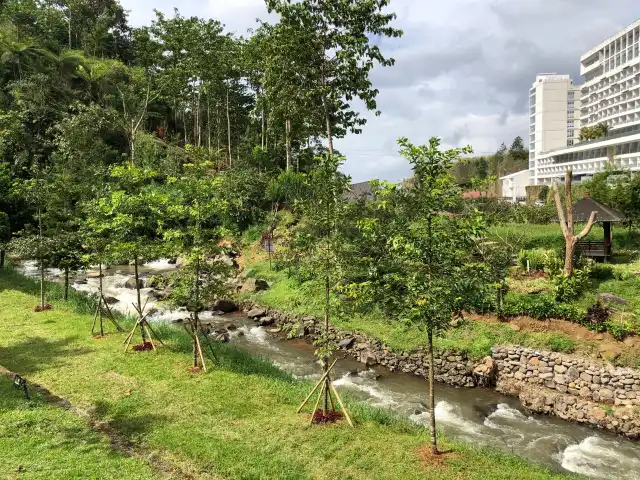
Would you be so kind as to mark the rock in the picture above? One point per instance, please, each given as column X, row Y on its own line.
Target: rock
column 611, row 298
column 347, row 343
column 274, row 330
column 605, row 394
column 535, row 361
column 368, row 358
column 226, row 260
column 231, row 327
column 254, row 285
column 266, row 321
column 487, row 368
column 172, row 261
column 256, row 313
column 559, row 369
column 610, row 352
column 456, row 322
column 559, row 379
column 241, row 333
column 224, row 305
column 586, row 377
column 598, row 413
column 80, row 281
column 161, row 294
column 131, row 283
column 572, row 374
column 93, row 275
column 110, row 300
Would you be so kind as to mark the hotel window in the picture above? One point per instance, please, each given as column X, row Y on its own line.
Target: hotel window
column 569, row 143
column 570, row 113
column 570, row 105
column 570, row 123
column 569, row 133
column 571, row 95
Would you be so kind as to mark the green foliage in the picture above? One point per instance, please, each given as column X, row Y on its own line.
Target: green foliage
column 540, row 307
column 593, row 133
column 537, row 259
column 621, row 328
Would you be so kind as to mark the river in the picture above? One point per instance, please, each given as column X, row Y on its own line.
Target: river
column 477, row 416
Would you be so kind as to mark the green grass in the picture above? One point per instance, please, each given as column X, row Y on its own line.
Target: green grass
column 474, row 338
column 237, row 421
column 550, row 236
column 41, row 441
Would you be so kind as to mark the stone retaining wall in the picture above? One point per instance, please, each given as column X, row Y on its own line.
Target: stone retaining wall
column 576, row 376
column 570, row 388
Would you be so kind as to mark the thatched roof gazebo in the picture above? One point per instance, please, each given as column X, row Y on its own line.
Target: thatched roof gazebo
column 604, row 215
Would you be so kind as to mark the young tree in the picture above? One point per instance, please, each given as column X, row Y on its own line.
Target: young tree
column 319, row 238
column 195, row 236
column 428, row 249
column 130, row 215
column 566, row 222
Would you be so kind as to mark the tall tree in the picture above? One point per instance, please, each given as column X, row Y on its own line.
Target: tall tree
column 339, row 54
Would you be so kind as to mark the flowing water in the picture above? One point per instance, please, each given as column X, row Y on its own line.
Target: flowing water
column 478, row 416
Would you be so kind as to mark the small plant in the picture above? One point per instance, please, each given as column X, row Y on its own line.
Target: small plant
column 602, row 271
column 567, row 288
column 537, row 259
column 597, row 317
column 608, row 410
column 42, row 308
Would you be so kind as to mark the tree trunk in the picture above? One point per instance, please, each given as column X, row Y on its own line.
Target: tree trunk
column 135, row 266
column 101, row 299
column 325, row 360
column 570, row 247
column 42, row 283
column 432, row 397
column 263, row 129
column 66, row 283
column 229, row 129
column 566, row 222
column 196, row 285
column 208, row 124
column 1, row 258
column 329, row 132
column 287, row 130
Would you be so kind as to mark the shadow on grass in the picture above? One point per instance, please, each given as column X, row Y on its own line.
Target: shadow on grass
column 36, row 353
column 124, row 425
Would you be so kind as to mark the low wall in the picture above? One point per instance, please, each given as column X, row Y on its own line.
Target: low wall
column 570, row 388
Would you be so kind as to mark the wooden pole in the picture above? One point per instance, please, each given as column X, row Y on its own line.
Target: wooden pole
column 317, row 385
column 315, row 408
column 344, row 410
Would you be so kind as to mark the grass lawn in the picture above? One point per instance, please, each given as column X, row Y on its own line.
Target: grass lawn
column 237, row 421
column 41, row 441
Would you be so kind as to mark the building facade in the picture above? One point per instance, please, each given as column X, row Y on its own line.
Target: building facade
column 610, row 95
column 514, row 186
column 554, row 116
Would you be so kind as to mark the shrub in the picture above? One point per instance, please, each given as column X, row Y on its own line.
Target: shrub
column 540, row 307
column 620, row 329
column 597, row 317
column 602, row 271
column 569, row 288
column 537, row 259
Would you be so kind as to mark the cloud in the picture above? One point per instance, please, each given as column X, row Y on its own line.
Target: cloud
column 463, row 68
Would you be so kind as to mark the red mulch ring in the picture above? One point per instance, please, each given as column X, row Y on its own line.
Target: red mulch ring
column 39, row 308
column 143, row 347
column 195, row 369
column 330, row 416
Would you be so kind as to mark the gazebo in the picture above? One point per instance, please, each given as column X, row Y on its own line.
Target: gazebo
column 606, row 216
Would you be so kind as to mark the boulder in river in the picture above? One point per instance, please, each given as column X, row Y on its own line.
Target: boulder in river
column 131, row 284
column 266, row 321
column 256, row 313
column 224, row 305
column 110, row 300
column 80, row 281
column 368, row 358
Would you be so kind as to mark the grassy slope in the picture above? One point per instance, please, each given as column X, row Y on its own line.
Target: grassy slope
column 476, row 338
column 237, row 421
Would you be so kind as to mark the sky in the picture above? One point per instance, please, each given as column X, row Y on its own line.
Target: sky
column 463, row 67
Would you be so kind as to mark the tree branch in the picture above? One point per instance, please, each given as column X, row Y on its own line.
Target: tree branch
column 561, row 217
column 568, row 180
column 587, row 229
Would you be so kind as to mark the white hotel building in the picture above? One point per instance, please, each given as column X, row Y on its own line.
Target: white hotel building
column 610, row 94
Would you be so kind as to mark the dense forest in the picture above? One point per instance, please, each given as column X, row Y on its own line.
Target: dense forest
column 83, row 92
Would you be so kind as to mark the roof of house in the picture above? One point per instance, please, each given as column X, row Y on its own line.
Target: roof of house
column 511, row 175
column 360, row 190
column 583, row 208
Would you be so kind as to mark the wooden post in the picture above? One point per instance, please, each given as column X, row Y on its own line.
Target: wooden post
column 608, row 249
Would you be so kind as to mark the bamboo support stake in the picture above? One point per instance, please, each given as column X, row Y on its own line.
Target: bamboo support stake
column 316, row 387
column 204, row 367
column 315, row 408
column 146, row 329
column 344, row 410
